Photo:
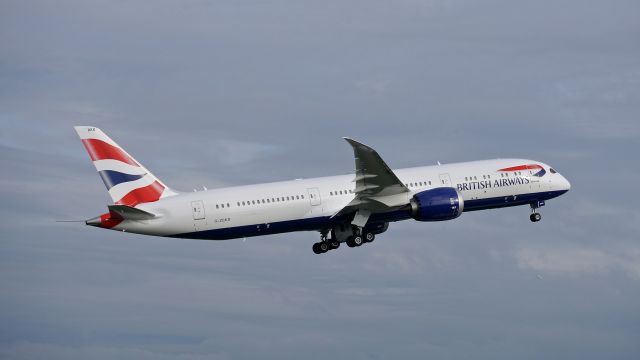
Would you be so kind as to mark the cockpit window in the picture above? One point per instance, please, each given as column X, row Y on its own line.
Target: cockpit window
column 552, row 171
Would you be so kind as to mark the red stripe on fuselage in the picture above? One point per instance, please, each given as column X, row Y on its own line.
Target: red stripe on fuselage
column 149, row 193
column 522, row 167
column 100, row 150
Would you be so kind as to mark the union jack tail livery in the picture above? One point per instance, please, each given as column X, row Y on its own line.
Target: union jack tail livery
column 128, row 182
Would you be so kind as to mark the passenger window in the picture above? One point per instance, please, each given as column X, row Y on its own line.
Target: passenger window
column 217, row 207
column 302, row 197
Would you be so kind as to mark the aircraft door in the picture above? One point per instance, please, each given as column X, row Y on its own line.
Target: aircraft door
column 445, row 180
column 197, row 208
column 314, row 196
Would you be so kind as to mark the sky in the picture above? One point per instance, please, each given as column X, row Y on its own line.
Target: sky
column 217, row 93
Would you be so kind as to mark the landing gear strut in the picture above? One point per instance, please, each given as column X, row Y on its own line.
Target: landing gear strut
column 535, row 215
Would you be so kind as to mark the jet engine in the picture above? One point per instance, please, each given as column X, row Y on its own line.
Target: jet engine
column 437, row 204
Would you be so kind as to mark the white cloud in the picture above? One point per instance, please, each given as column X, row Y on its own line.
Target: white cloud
column 578, row 260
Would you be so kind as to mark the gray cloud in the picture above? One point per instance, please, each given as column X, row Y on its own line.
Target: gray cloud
column 217, row 93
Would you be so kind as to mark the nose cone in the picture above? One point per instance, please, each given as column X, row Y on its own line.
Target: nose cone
column 564, row 183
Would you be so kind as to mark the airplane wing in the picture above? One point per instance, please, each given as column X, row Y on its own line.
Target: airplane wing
column 377, row 187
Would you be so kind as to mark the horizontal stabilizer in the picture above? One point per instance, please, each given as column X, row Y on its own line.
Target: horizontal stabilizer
column 130, row 213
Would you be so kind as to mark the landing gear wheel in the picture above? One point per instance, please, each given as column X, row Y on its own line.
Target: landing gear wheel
column 357, row 240
column 324, row 246
column 334, row 244
column 535, row 217
column 316, row 249
column 369, row 237
column 350, row 242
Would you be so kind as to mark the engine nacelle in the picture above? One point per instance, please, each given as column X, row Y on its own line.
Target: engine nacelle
column 437, row 204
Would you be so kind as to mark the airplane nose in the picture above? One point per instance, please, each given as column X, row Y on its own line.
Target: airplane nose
column 566, row 184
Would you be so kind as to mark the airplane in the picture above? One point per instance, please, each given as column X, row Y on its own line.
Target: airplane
column 349, row 209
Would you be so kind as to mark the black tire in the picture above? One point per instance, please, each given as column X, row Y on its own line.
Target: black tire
column 316, row 248
column 535, row 217
column 334, row 244
column 369, row 237
column 350, row 242
column 324, row 246
column 357, row 240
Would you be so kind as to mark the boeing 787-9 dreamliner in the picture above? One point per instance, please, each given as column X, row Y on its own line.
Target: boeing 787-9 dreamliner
column 349, row 209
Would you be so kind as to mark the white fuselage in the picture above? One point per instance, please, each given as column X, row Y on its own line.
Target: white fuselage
column 309, row 204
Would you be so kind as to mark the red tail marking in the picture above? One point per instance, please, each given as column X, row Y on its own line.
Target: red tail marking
column 149, row 193
column 100, row 150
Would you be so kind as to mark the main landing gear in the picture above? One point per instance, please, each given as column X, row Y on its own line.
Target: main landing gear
column 358, row 240
column 325, row 245
column 355, row 240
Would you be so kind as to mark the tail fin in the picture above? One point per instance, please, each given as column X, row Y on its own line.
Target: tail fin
column 128, row 182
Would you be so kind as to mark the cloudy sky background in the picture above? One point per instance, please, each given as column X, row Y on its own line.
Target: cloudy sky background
column 216, row 93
